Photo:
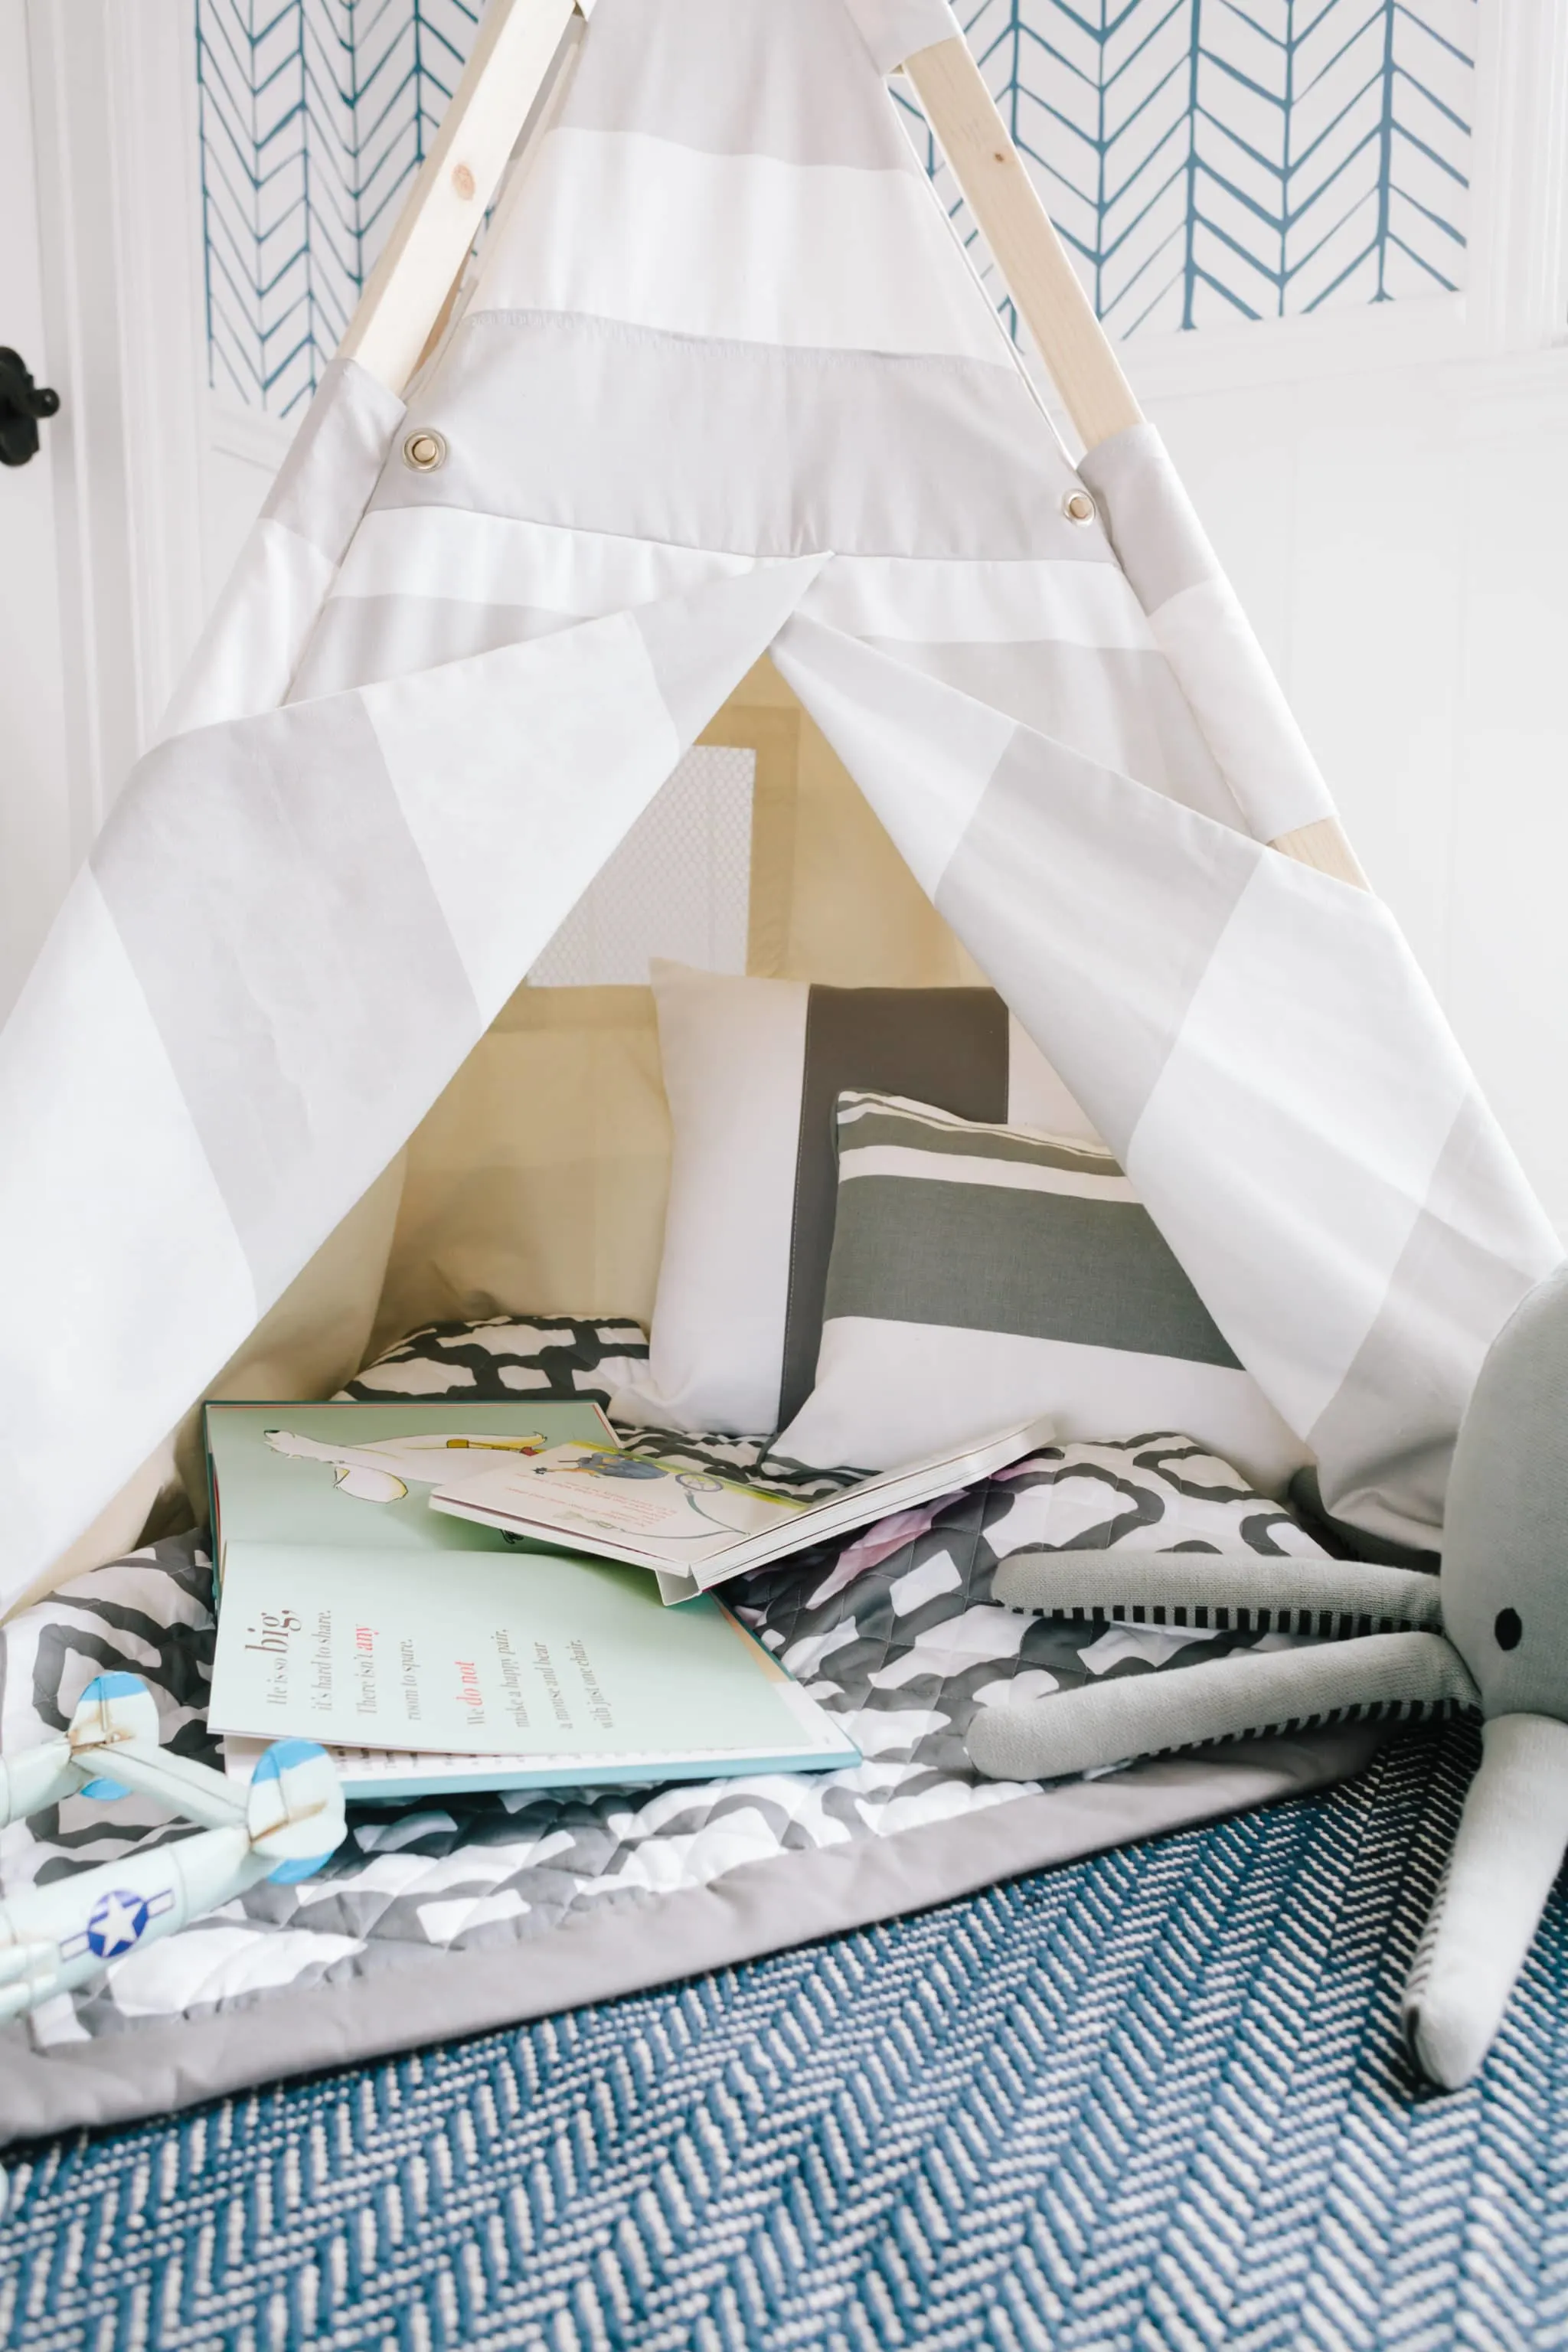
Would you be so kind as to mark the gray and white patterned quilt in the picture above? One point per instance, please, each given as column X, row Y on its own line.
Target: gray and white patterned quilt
column 439, row 1918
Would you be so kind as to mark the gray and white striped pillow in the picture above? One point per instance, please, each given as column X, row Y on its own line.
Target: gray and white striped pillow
column 752, row 1069
column 982, row 1274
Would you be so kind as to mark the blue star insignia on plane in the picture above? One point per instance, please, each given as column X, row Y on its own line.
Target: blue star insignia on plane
column 117, row 1921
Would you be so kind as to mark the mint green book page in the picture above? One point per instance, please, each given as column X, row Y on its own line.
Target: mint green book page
column 534, row 1654
column 360, row 1476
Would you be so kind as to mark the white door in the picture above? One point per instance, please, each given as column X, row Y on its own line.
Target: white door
column 114, row 539
column 35, row 849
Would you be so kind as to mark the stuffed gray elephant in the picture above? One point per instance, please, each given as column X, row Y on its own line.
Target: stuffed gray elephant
column 1488, row 1634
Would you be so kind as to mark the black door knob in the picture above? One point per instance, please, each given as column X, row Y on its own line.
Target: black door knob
column 22, row 403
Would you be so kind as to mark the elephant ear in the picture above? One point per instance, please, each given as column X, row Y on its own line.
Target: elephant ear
column 1511, row 1839
column 1505, row 1531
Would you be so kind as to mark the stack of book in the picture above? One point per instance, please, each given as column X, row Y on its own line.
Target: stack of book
column 454, row 1596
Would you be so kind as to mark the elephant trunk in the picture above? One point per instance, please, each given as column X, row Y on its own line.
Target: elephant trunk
column 1511, row 1839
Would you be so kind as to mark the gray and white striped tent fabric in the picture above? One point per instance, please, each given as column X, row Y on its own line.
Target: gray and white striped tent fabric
column 726, row 384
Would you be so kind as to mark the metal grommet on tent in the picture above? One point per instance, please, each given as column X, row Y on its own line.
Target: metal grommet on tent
column 424, row 451
column 1078, row 506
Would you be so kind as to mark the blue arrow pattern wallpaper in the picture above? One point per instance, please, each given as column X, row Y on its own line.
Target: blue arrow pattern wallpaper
column 315, row 115
column 1206, row 161
column 1213, row 160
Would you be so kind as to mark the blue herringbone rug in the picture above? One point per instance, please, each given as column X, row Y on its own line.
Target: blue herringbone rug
column 1156, row 2099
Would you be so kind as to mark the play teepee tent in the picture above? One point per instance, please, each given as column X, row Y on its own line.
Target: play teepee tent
column 724, row 386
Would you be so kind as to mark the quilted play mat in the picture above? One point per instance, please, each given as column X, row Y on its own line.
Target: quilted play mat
column 1152, row 2098
column 445, row 1918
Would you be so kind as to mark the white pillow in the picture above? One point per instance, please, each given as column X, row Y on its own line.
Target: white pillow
column 982, row 1274
column 753, row 1070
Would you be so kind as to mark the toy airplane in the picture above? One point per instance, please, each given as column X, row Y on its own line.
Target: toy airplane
column 283, row 1826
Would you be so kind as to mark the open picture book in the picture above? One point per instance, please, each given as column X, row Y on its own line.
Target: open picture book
column 428, row 1654
column 692, row 1529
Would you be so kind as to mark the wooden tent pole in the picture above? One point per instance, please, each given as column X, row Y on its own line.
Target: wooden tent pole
column 1054, row 306
column 1016, row 224
column 407, row 293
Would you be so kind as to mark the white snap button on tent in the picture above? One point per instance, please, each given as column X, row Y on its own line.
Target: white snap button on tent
column 423, row 451
column 1078, row 507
